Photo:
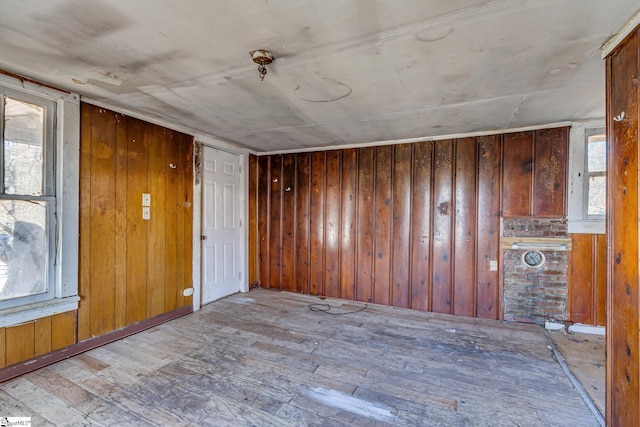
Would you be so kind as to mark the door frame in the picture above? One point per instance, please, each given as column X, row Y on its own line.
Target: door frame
column 243, row 260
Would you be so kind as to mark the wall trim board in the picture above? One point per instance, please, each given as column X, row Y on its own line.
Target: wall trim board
column 626, row 29
column 35, row 363
column 418, row 139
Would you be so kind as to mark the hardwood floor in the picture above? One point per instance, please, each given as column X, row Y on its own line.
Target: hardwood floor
column 266, row 359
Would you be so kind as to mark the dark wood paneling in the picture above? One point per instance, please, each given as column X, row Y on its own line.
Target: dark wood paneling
column 303, row 201
column 550, row 176
column 275, row 223
column 252, row 221
column 464, row 245
column 348, row 204
column 517, row 170
column 421, row 214
column 383, row 225
column 289, row 222
column 443, row 211
column 332, row 224
column 488, row 231
column 411, row 225
column 365, row 215
column 581, row 279
column 401, row 231
column 316, row 224
column 264, row 206
column 623, row 344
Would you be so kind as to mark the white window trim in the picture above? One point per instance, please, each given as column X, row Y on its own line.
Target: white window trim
column 577, row 180
column 67, row 205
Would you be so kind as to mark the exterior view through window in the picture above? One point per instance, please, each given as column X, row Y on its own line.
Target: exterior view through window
column 596, row 174
column 25, row 199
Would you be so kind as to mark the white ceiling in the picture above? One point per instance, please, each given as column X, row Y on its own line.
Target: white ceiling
column 346, row 71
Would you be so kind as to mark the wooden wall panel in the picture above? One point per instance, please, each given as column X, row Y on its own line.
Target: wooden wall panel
column 42, row 336
column 587, row 279
column 137, row 167
column 20, row 343
column 264, row 199
column 411, row 225
column 317, row 224
column 275, row 223
column 623, row 210
column 63, row 330
column 401, row 231
column 421, row 227
column 303, row 206
column 517, row 170
column 488, row 228
column 442, row 232
column 131, row 269
column 156, row 236
column 348, row 210
column 464, row 234
column 332, row 213
column 252, row 222
column 102, row 212
column 550, row 172
column 288, row 222
column 382, row 225
column 365, row 220
column 3, row 347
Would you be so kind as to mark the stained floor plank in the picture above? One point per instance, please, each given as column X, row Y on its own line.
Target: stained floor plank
column 264, row 359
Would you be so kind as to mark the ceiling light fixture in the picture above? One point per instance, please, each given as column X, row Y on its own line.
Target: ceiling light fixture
column 262, row 58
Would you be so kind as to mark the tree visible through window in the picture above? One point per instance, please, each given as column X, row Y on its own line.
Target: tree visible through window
column 596, row 169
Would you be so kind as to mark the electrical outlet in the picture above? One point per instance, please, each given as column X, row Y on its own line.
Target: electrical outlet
column 146, row 199
column 493, row 265
column 146, row 213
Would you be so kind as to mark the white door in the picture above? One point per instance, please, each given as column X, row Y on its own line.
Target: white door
column 220, row 224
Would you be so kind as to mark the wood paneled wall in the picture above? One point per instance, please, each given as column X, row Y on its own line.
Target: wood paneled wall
column 411, row 225
column 132, row 269
column 623, row 210
column 31, row 339
column 588, row 279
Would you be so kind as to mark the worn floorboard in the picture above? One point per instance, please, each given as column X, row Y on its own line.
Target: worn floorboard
column 265, row 359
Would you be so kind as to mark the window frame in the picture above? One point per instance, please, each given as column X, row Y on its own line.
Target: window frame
column 577, row 204
column 61, row 191
column 588, row 174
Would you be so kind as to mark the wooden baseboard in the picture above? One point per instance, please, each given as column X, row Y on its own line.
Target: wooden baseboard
column 35, row 363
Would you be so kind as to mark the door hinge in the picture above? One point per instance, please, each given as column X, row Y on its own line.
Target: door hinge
column 203, row 237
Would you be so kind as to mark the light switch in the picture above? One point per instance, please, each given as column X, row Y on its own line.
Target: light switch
column 146, row 199
column 146, row 213
column 493, row 265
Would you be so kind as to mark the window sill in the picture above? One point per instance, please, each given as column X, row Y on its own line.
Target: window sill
column 29, row 312
column 586, row 226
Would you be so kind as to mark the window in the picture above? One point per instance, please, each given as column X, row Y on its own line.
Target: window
column 587, row 202
column 595, row 174
column 27, row 199
column 38, row 201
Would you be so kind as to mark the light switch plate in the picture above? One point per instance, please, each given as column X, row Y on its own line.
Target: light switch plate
column 146, row 213
column 493, row 265
column 146, row 199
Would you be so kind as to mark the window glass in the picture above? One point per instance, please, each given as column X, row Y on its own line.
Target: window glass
column 23, row 248
column 23, row 148
column 597, row 195
column 596, row 153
